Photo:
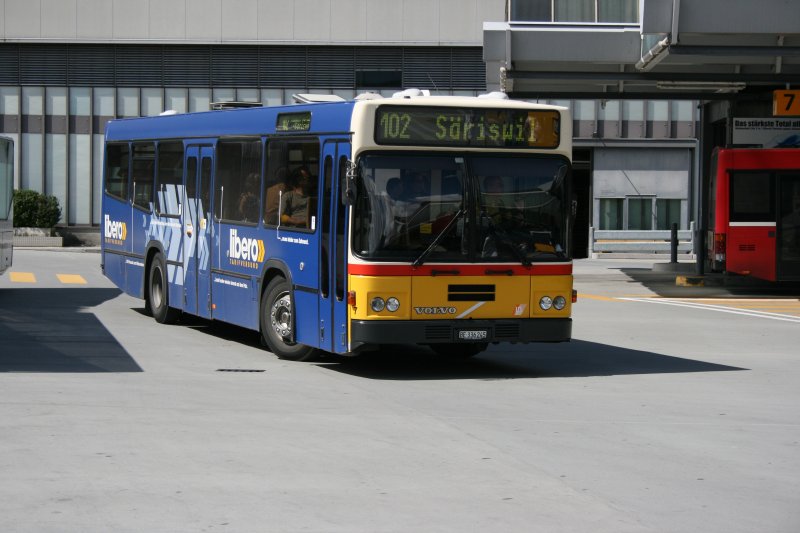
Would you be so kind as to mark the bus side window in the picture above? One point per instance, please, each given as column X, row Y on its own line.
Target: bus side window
column 117, row 168
column 170, row 178
column 143, row 170
column 290, row 197
column 277, row 180
column 239, row 177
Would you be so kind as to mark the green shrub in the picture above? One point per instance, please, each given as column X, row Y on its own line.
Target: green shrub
column 35, row 210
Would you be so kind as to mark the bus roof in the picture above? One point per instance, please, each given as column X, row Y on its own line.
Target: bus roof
column 230, row 122
column 758, row 158
column 332, row 117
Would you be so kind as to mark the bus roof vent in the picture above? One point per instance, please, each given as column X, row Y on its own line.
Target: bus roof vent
column 316, row 98
column 368, row 96
column 494, row 95
column 219, row 106
column 409, row 93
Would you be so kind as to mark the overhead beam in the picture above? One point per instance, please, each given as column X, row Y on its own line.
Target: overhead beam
column 733, row 51
column 730, row 77
column 628, row 95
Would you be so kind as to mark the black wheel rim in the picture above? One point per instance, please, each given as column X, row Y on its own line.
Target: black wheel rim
column 280, row 317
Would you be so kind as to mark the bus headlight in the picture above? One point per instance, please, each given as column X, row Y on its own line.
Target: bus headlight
column 377, row 304
column 546, row 303
column 392, row 304
column 559, row 302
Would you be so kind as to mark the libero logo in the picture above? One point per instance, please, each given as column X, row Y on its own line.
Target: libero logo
column 245, row 252
column 115, row 232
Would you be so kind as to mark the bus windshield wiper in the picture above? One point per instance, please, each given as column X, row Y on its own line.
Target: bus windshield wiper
column 519, row 254
column 419, row 260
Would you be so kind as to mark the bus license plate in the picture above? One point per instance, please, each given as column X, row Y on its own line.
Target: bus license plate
column 472, row 334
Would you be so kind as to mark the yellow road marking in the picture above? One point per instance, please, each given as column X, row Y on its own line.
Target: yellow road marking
column 74, row 279
column 595, row 297
column 22, row 277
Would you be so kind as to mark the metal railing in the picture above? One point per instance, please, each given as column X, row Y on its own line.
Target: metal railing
column 639, row 241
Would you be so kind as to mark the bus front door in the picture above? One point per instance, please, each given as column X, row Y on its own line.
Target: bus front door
column 789, row 227
column 197, row 224
column 333, row 249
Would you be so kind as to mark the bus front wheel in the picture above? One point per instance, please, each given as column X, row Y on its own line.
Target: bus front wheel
column 277, row 322
column 158, row 293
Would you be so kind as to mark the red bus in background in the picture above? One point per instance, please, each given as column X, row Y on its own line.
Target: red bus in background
column 754, row 212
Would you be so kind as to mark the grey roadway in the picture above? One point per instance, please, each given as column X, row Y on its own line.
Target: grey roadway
column 656, row 418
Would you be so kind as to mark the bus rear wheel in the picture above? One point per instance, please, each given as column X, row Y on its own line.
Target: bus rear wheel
column 277, row 322
column 459, row 350
column 158, row 293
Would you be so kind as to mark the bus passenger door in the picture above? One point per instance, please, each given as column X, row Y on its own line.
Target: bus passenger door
column 196, row 221
column 333, row 249
column 789, row 226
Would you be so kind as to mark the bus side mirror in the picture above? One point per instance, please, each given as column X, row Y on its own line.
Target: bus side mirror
column 348, row 186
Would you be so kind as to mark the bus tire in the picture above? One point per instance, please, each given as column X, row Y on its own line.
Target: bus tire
column 459, row 350
column 277, row 322
column 158, row 292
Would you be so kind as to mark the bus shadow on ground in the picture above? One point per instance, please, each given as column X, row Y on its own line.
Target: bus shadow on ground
column 52, row 330
column 220, row 330
column 411, row 362
column 564, row 360
column 714, row 285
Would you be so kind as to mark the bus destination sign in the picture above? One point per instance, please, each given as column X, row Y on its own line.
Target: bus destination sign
column 293, row 121
column 472, row 127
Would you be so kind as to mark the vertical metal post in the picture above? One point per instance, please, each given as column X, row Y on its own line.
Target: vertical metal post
column 700, row 236
column 673, row 243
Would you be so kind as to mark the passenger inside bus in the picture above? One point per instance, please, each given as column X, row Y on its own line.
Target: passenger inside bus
column 416, row 186
column 275, row 188
column 294, row 203
column 248, row 201
column 394, row 188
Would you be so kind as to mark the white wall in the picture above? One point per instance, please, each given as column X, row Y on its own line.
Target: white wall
column 376, row 22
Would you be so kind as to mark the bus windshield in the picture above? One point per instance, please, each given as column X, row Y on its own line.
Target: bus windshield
column 461, row 208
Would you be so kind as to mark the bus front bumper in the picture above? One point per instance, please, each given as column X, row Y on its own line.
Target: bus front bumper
column 364, row 332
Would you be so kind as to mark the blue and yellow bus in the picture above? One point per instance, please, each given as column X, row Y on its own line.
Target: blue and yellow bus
column 342, row 226
column 6, row 203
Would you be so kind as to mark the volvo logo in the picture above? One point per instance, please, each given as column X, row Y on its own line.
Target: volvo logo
column 435, row 310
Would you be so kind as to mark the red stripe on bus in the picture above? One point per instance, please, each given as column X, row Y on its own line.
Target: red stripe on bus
column 459, row 270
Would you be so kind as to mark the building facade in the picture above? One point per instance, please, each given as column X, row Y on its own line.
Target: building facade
column 67, row 67
column 669, row 77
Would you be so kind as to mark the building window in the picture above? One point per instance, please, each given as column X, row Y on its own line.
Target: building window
column 668, row 212
column 611, row 213
column 640, row 213
column 591, row 11
column 531, row 11
column 618, row 11
column 574, row 11
column 378, row 79
column 636, row 213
